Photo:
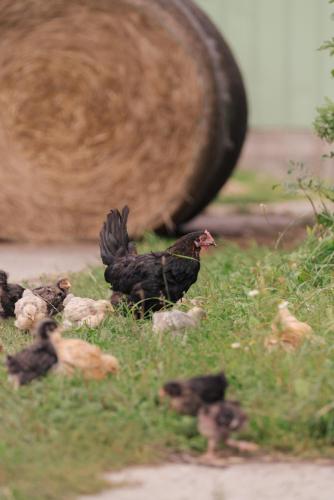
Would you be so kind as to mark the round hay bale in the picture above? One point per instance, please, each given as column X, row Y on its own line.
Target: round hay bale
column 112, row 102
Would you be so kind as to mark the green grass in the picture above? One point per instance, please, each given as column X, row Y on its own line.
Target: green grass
column 57, row 436
column 247, row 186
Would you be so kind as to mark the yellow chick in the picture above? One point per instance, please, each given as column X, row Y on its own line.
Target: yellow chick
column 79, row 355
column 289, row 332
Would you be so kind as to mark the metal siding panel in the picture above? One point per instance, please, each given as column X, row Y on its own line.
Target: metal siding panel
column 326, row 62
column 275, row 43
column 271, row 89
column 303, row 74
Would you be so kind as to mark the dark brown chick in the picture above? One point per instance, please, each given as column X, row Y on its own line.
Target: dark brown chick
column 216, row 422
column 36, row 360
column 9, row 294
column 187, row 396
column 54, row 296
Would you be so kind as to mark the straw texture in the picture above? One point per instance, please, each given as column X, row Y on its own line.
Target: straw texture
column 104, row 103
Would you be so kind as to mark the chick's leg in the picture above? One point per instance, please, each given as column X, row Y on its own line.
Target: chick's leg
column 211, row 456
column 242, row 445
column 212, row 446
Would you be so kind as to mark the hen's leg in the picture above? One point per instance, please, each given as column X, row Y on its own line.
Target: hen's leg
column 141, row 294
column 121, row 302
column 118, row 298
column 147, row 297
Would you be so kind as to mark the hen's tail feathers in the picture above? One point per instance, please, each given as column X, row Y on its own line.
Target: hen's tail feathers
column 114, row 238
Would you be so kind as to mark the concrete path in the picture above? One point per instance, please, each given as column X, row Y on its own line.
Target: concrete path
column 24, row 261
column 255, row 481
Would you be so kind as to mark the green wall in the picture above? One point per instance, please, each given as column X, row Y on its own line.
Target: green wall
column 275, row 43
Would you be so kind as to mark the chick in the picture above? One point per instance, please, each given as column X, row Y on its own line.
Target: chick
column 82, row 311
column 9, row 295
column 216, row 422
column 289, row 332
column 54, row 296
column 78, row 355
column 29, row 310
column 36, row 360
column 177, row 321
column 187, row 396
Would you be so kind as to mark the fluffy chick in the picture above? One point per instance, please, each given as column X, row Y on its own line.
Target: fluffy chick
column 177, row 321
column 79, row 355
column 54, row 296
column 36, row 360
column 83, row 311
column 9, row 294
column 187, row 396
column 289, row 332
column 29, row 310
column 216, row 422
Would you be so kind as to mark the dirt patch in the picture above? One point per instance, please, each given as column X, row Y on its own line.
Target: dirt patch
column 281, row 223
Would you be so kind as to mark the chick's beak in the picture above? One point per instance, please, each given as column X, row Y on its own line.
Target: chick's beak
column 235, row 424
column 64, row 283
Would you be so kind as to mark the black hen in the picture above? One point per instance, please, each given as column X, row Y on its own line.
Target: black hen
column 37, row 359
column 188, row 396
column 9, row 295
column 155, row 279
